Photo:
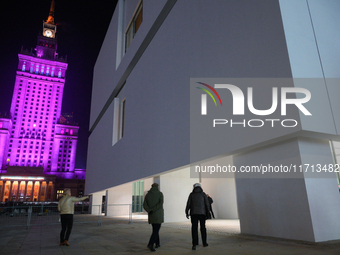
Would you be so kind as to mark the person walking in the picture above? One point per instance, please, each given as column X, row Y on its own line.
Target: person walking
column 66, row 209
column 211, row 214
column 198, row 208
column 153, row 204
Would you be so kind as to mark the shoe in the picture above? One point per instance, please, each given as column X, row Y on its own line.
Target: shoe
column 151, row 248
column 193, row 247
column 157, row 245
column 66, row 243
column 205, row 245
column 61, row 243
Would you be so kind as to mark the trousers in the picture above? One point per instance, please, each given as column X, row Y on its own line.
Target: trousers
column 154, row 238
column 66, row 226
column 194, row 228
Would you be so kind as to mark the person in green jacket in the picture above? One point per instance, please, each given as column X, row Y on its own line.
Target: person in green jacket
column 153, row 204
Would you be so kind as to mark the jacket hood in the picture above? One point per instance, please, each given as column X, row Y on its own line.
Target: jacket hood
column 197, row 189
column 153, row 189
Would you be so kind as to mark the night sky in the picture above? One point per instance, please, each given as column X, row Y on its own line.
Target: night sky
column 81, row 28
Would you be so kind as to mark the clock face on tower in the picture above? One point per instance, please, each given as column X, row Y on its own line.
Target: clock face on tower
column 48, row 33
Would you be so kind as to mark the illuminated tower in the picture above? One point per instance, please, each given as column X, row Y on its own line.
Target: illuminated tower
column 38, row 137
column 5, row 129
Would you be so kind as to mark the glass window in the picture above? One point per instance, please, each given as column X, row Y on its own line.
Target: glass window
column 134, row 26
column 118, row 120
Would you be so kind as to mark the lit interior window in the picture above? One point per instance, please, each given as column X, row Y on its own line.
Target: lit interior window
column 134, row 26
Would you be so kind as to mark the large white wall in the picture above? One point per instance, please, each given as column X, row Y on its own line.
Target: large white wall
column 176, row 187
column 157, row 109
column 119, row 200
column 312, row 31
column 147, row 184
column 223, row 193
column 304, row 207
column 221, row 187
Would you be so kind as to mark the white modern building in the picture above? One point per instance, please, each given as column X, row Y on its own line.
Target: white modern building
column 143, row 112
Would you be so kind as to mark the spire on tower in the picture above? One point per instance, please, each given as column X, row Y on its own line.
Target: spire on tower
column 50, row 19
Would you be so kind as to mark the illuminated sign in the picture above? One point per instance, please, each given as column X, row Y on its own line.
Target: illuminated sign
column 22, row 178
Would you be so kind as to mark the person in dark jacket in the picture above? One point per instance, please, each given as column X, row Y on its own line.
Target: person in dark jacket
column 211, row 214
column 198, row 207
column 153, row 204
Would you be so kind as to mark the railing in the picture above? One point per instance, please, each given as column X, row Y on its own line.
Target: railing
column 32, row 215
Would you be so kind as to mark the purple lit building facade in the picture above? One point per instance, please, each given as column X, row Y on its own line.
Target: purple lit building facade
column 38, row 144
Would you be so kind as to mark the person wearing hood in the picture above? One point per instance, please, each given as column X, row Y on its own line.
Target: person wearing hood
column 198, row 208
column 153, row 204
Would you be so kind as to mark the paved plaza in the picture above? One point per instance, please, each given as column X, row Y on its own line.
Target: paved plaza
column 119, row 237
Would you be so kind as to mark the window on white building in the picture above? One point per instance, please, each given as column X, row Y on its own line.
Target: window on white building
column 118, row 120
column 134, row 25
